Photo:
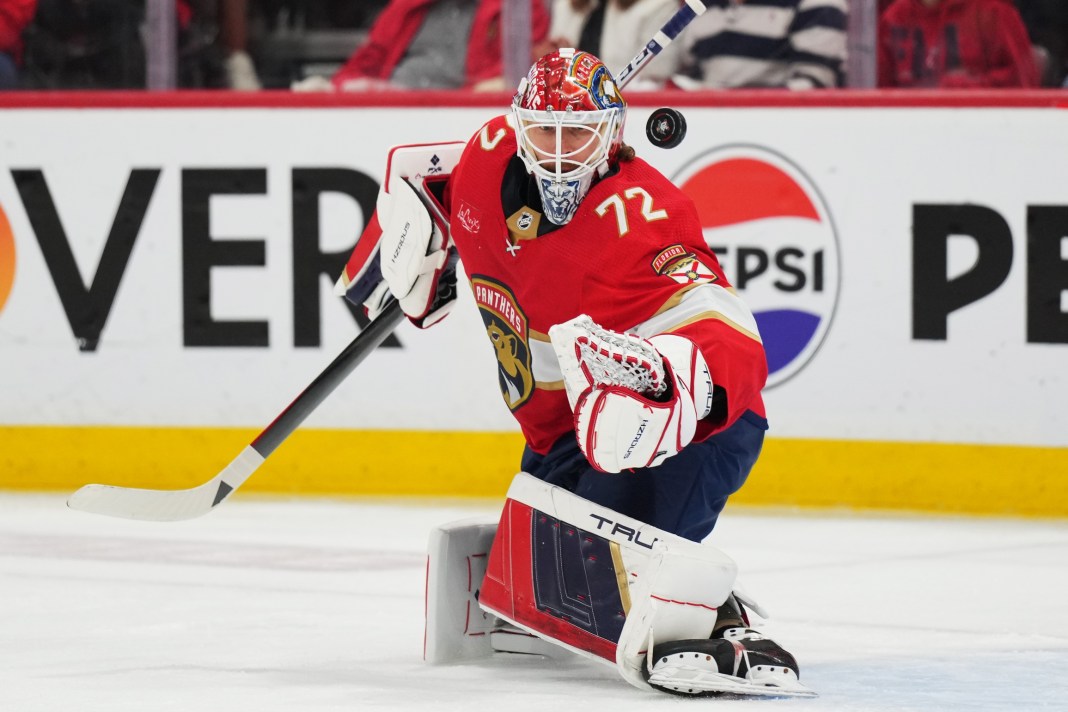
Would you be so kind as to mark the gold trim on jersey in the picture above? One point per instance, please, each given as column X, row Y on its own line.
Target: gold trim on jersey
column 717, row 316
column 676, row 299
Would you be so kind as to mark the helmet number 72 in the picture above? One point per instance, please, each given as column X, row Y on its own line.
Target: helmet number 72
column 614, row 201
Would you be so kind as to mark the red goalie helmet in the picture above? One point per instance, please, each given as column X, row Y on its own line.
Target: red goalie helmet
column 569, row 126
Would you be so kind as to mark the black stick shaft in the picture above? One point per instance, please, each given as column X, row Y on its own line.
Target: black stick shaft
column 327, row 382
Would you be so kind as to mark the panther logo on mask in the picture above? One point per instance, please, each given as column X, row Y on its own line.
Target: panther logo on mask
column 560, row 199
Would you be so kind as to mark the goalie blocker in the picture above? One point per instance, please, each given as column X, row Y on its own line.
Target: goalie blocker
column 405, row 247
column 561, row 573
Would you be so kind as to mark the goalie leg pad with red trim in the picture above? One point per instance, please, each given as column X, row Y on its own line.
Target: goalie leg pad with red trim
column 597, row 582
column 456, row 628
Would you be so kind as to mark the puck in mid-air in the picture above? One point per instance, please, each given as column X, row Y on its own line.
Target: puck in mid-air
column 666, row 128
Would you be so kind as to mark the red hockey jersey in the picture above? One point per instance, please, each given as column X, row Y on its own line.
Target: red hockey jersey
column 634, row 258
column 955, row 44
column 15, row 15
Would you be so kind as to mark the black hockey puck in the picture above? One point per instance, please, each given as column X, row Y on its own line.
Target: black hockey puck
column 666, row 128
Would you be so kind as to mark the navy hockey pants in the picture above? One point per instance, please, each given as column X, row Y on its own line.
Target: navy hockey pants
column 684, row 495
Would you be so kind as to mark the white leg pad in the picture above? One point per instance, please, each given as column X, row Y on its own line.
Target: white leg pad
column 456, row 628
column 676, row 597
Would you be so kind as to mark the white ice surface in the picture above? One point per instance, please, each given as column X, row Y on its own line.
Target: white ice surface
column 307, row 606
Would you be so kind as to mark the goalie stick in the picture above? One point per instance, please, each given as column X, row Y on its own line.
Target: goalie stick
column 177, row 505
column 663, row 37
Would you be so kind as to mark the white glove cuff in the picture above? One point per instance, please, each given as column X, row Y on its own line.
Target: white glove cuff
column 412, row 248
column 688, row 364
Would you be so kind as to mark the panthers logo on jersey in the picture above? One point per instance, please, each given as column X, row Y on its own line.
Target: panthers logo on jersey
column 506, row 327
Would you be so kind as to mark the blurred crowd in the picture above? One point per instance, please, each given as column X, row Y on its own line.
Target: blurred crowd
column 344, row 45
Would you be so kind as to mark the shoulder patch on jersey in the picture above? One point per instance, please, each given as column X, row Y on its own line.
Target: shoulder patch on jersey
column 682, row 266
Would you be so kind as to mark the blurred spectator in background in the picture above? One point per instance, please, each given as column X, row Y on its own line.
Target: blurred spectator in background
column 1047, row 25
column 432, row 44
column 954, row 44
column 233, row 35
column 86, row 44
column 289, row 40
column 15, row 15
column 615, row 30
column 796, row 44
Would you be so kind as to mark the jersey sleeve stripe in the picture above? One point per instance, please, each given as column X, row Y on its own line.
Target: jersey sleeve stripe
column 705, row 301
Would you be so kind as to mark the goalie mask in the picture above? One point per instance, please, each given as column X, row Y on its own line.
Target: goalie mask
column 569, row 127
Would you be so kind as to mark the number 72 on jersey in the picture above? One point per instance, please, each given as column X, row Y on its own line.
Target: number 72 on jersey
column 615, row 203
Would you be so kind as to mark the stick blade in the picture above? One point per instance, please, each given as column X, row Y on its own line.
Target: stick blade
column 166, row 505
column 147, row 504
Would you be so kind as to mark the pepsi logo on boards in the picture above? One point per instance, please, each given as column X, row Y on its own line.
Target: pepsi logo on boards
column 777, row 243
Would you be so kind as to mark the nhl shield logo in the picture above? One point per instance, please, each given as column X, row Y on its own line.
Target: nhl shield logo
column 775, row 238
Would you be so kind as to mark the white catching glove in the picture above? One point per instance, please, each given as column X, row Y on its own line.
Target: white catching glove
column 636, row 401
column 413, row 252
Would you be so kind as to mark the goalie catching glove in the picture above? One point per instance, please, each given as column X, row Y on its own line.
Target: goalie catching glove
column 414, row 253
column 636, row 401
